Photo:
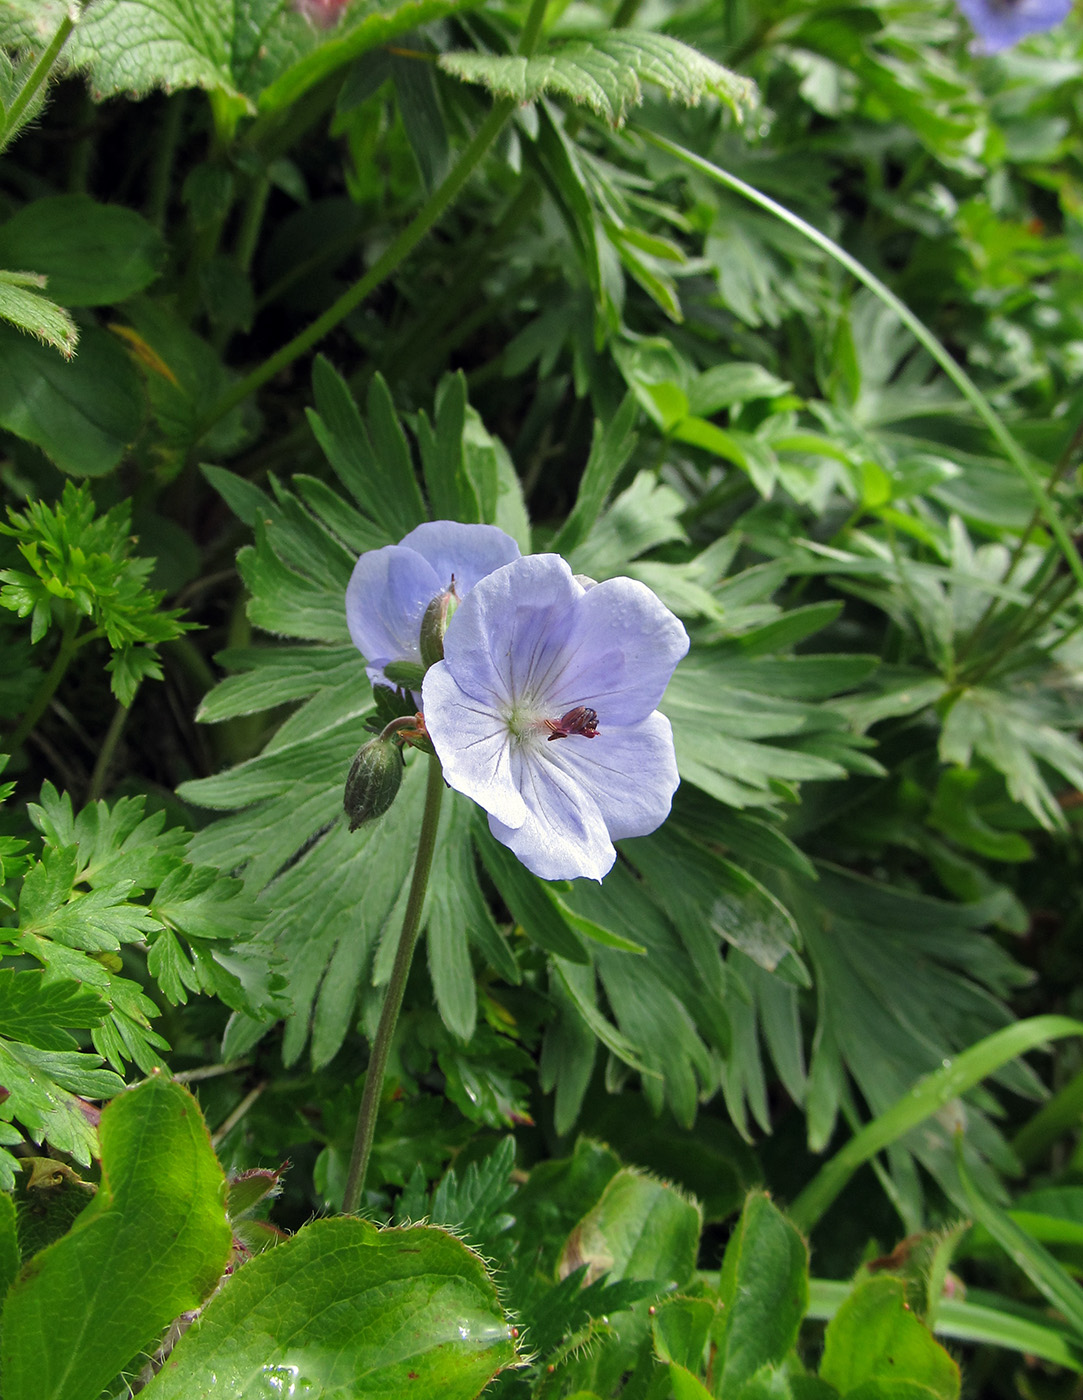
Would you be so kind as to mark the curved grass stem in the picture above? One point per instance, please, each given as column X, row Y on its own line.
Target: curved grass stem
column 958, row 376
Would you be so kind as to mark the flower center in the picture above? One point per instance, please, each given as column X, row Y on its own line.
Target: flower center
column 580, row 720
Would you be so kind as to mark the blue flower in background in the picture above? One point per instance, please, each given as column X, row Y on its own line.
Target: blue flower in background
column 390, row 588
column 1001, row 23
column 543, row 711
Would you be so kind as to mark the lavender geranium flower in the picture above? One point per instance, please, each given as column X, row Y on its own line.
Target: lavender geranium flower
column 390, row 588
column 1001, row 23
column 543, row 711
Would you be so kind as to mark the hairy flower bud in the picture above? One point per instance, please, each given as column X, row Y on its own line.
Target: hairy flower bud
column 373, row 781
column 435, row 623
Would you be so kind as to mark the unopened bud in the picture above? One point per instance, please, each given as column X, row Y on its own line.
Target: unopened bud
column 373, row 781
column 435, row 623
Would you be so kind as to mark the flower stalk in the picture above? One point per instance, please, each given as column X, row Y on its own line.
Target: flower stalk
column 396, row 988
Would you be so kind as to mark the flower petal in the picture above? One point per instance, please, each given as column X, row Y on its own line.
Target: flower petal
column 386, row 599
column 468, row 552
column 506, row 642
column 563, row 835
column 1001, row 23
column 620, row 653
column 473, row 745
column 629, row 772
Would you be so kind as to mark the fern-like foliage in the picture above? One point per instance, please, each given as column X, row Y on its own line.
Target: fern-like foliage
column 106, row 880
column 606, row 74
column 82, row 577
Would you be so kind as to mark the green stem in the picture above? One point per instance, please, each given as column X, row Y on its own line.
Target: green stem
column 1029, row 623
column 69, row 645
column 251, row 221
column 165, row 155
column 930, row 1094
column 958, row 376
column 1067, row 457
column 396, row 987
column 108, row 749
column 1058, row 1116
column 396, row 252
column 38, row 75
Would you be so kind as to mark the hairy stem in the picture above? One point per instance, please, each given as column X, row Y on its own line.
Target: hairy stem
column 396, row 987
column 955, row 372
column 38, row 76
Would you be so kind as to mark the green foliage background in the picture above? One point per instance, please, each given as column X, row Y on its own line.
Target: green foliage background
column 775, row 308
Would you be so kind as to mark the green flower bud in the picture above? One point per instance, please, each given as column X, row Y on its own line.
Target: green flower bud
column 435, row 623
column 373, row 781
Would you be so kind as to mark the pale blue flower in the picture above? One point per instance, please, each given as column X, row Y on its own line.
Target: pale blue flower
column 544, row 712
column 1001, row 23
column 390, row 588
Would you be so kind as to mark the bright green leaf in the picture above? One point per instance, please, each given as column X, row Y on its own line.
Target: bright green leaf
column 326, row 1313
column 161, row 1202
column 874, row 1337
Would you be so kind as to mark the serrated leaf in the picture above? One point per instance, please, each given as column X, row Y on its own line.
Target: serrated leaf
column 376, row 470
column 606, row 75
column 42, row 1093
column 341, row 1289
column 639, row 1229
column 37, row 1012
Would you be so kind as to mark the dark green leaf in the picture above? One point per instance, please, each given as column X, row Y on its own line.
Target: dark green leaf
column 82, row 413
column 93, row 254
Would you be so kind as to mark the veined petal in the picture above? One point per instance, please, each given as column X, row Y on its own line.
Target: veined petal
column 473, row 744
column 506, row 643
column 468, row 552
column 621, row 650
column 386, row 599
column 563, row 835
column 629, row 772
